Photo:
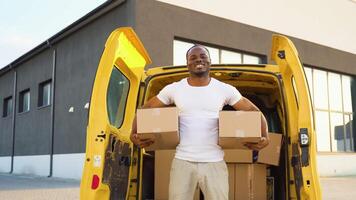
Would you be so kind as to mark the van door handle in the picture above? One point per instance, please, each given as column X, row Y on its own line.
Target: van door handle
column 304, row 142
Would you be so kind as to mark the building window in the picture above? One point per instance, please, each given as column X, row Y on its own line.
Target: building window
column 334, row 112
column 44, row 93
column 218, row 56
column 230, row 57
column 7, row 106
column 24, row 101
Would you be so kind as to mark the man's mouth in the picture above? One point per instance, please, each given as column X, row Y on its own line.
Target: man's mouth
column 200, row 66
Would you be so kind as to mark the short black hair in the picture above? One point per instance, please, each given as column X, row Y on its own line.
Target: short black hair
column 196, row 45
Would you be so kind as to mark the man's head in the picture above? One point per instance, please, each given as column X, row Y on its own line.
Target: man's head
column 198, row 61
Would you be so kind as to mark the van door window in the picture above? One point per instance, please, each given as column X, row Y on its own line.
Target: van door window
column 118, row 90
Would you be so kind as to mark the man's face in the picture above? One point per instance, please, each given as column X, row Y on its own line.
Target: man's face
column 198, row 61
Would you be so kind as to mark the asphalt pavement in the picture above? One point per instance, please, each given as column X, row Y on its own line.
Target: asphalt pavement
column 19, row 187
column 25, row 187
column 338, row 188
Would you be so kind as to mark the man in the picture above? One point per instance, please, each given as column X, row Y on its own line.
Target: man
column 199, row 160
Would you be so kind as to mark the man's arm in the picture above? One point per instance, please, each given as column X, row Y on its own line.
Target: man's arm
column 246, row 105
column 154, row 102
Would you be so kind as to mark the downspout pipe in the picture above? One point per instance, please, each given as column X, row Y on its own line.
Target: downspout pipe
column 13, row 119
column 53, row 89
column 52, row 112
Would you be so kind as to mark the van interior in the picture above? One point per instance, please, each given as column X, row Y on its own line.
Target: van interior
column 262, row 88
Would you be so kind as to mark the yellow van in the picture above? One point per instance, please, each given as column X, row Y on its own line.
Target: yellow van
column 116, row 169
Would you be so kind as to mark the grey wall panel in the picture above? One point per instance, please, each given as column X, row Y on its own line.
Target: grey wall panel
column 77, row 59
column 32, row 130
column 158, row 23
column 6, row 90
column 158, row 27
column 325, row 57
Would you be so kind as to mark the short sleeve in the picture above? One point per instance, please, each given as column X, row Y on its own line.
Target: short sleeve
column 232, row 95
column 166, row 94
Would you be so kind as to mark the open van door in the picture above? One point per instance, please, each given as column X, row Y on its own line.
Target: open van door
column 301, row 135
column 110, row 164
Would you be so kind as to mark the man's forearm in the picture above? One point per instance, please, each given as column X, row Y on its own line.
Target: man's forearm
column 264, row 127
column 134, row 125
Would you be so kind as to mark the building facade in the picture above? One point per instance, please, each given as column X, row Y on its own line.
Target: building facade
column 45, row 94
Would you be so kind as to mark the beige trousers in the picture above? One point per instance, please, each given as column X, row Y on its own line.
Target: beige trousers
column 210, row 177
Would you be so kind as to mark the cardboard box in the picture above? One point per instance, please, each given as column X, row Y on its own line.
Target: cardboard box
column 271, row 154
column 160, row 124
column 237, row 156
column 232, row 179
column 250, row 182
column 163, row 162
column 247, row 181
column 238, row 127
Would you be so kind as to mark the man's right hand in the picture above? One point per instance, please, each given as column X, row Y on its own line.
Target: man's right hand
column 140, row 142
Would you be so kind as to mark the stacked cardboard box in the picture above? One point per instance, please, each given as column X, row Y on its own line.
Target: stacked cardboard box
column 238, row 127
column 160, row 124
column 247, row 180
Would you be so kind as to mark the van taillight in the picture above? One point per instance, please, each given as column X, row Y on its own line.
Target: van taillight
column 95, row 182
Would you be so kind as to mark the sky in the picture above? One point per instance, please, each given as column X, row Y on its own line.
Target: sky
column 26, row 24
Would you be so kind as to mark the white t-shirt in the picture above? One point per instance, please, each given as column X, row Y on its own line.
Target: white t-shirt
column 198, row 117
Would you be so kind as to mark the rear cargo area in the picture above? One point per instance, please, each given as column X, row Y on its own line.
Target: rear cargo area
column 263, row 89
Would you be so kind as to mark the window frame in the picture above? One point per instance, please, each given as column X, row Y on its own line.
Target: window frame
column 21, row 100
column 112, row 121
column 262, row 58
column 330, row 111
column 5, row 112
column 41, row 86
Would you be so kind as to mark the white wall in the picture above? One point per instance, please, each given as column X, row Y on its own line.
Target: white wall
column 68, row 165
column 64, row 165
column 337, row 164
column 328, row 22
column 36, row 165
column 5, row 164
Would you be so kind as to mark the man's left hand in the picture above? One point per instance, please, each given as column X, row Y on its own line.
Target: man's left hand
column 258, row 146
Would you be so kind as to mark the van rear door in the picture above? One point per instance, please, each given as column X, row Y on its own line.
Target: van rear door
column 110, row 159
column 304, row 179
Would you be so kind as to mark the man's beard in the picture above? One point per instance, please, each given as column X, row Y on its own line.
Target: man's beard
column 200, row 73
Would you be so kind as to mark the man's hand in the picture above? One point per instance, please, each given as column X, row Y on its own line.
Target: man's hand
column 142, row 143
column 258, row 146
